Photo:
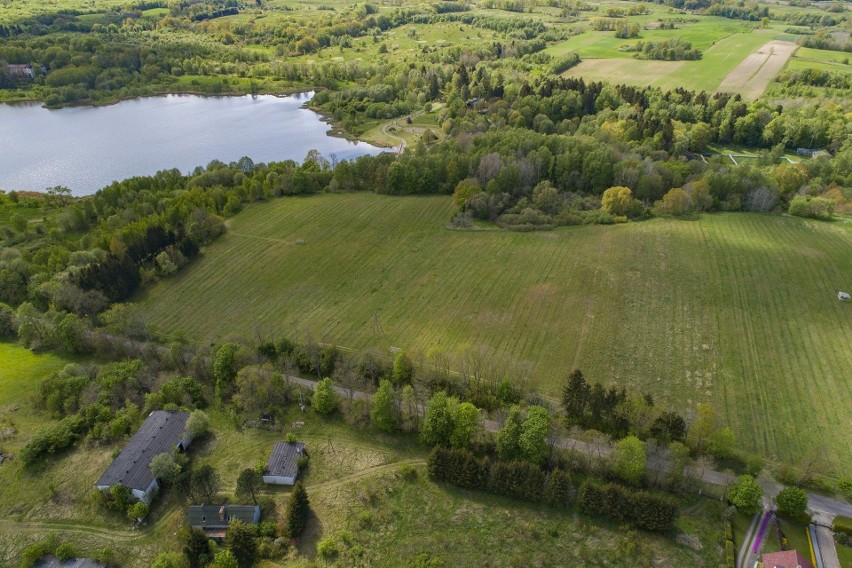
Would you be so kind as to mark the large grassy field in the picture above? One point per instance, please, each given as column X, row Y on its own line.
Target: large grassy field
column 738, row 310
column 603, row 62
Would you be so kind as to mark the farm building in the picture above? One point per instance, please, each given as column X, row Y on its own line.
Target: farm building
column 785, row 559
column 214, row 519
column 162, row 432
column 54, row 562
column 283, row 465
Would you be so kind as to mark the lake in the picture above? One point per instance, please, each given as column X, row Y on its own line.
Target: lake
column 87, row 148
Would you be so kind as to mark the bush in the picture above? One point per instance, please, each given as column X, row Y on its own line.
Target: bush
column 66, row 551
column 645, row 510
column 842, row 524
column 327, row 547
column 408, row 472
column 845, row 487
column 812, row 207
column 325, row 399
column 54, row 439
column 730, row 554
column 746, row 494
column 792, row 501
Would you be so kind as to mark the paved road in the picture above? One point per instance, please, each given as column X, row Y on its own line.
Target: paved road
column 826, row 547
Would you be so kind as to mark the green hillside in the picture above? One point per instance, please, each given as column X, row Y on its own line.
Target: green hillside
column 735, row 309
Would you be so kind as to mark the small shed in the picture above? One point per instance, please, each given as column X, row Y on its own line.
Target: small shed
column 283, row 465
column 843, row 296
column 214, row 519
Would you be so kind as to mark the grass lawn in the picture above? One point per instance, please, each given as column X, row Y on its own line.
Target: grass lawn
column 844, row 554
column 386, row 520
column 739, row 310
column 794, row 531
column 835, row 61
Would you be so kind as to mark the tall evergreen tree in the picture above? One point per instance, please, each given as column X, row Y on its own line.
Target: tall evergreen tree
column 298, row 508
column 575, row 394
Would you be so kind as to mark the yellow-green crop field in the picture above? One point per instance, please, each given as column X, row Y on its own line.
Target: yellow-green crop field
column 739, row 310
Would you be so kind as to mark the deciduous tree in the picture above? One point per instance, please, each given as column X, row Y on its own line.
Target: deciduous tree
column 629, row 460
column 746, row 494
column 325, row 399
column 383, row 411
column 792, row 501
column 249, row 483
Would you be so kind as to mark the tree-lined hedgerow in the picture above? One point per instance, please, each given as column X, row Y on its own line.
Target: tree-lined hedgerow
column 646, row 510
column 528, row 482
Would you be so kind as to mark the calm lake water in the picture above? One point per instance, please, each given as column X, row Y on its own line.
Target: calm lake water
column 87, row 148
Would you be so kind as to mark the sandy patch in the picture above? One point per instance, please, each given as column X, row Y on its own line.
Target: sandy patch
column 751, row 77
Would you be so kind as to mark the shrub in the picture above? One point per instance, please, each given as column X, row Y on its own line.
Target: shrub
column 645, row 510
column 66, row 551
column 730, row 554
column 408, row 472
column 792, row 501
column 746, row 494
column 842, row 524
column 325, row 399
column 812, row 207
column 327, row 547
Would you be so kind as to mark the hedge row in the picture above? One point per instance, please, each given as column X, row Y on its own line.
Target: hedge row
column 645, row 510
column 517, row 479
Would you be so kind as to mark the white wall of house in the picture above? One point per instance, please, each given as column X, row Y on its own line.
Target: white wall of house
column 279, row 480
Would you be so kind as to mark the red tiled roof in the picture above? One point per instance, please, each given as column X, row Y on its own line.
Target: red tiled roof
column 785, row 559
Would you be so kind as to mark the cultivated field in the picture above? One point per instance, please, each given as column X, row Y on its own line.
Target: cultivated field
column 735, row 309
column 603, row 62
column 751, row 77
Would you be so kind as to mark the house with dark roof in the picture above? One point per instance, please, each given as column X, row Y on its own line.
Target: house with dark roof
column 54, row 562
column 785, row 559
column 164, row 431
column 283, row 465
column 214, row 519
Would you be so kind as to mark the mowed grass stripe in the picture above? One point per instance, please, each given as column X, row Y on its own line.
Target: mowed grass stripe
column 734, row 309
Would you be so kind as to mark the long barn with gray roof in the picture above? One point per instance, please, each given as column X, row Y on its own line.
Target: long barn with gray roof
column 162, row 432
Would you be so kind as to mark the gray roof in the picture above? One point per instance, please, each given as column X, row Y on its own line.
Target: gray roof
column 284, row 460
column 160, row 433
column 219, row 516
column 54, row 562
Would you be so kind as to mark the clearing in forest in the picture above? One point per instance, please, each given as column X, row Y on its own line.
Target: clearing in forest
column 736, row 309
column 751, row 77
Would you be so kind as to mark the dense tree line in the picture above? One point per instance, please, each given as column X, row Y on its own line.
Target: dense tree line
column 528, row 482
column 646, row 510
column 666, row 50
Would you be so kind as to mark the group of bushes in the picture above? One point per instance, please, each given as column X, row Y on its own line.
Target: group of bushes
column 645, row 510
column 528, row 482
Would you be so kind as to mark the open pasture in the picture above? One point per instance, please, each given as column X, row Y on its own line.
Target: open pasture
column 738, row 310
column 825, row 60
column 705, row 74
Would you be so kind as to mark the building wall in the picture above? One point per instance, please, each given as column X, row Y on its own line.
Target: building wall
column 279, row 480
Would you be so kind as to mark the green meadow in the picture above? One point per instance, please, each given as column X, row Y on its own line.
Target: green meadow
column 738, row 310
